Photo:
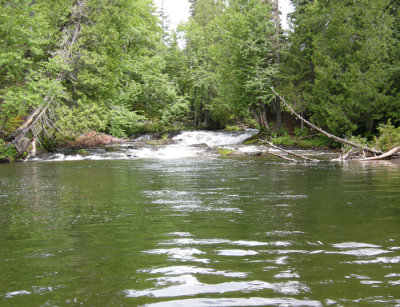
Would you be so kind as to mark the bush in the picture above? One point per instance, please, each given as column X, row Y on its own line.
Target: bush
column 283, row 140
column 316, row 142
column 175, row 113
column 86, row 116
column 232, row 128
column 122, row 122
column 299, row 133
column 355, row 139
column 7, row 153
column 389, row 137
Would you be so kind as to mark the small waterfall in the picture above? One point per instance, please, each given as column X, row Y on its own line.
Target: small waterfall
column 214, row 138
column 186, row 144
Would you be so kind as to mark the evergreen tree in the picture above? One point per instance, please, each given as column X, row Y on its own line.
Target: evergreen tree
column 339, row 63
column 249, row 63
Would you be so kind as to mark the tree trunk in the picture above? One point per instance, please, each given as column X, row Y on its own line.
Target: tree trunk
column 263, row 116
column 291, row 153
column 370, row 124
column 278, row 112
column 195, row 107
column 256, row 116
column 206, row 118
column 260, row 115
column 385, row 155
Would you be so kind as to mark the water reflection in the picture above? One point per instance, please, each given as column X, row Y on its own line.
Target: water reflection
column 253, row 301
column 198, row 232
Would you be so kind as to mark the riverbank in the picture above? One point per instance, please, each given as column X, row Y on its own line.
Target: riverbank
column 174, row 145
column 238, row 142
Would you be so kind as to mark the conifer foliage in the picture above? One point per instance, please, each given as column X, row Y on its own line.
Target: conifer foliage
column 69, row 67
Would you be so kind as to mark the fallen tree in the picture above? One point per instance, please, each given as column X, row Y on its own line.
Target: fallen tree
column 42, row 119
column 289, row 152
column 378, row 154
column 329, row 135
column 283, row 157
column 388, row 154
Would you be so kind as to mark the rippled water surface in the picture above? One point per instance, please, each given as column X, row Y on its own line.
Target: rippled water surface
column 199, row 232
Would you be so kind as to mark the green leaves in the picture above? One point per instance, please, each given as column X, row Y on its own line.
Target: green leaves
column 250, row 33
column 339, row 63
column 230, row 58
column 7, row 153
column 389, row 137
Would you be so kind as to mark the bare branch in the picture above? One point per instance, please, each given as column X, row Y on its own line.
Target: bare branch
column 329, row 135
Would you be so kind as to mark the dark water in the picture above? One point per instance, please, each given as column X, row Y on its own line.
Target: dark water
column 199, row 232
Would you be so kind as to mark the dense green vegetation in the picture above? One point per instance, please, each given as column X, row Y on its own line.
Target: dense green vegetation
column 68, row 67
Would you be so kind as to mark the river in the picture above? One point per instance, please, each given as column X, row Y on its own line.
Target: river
column 195, row 229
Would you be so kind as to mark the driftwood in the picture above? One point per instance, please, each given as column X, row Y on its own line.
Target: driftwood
column 345, row 156
column 290, row 153
column 379, row 155
column 283, row 157
column 329, row 135
column 383, row 156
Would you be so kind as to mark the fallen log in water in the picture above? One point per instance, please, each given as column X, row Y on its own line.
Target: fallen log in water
column 345, row 156
column 290, row 153
column 388, row 154
column 283, row 157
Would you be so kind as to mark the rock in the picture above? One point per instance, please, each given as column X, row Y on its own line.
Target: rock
column 225, row 151
column 161, row 142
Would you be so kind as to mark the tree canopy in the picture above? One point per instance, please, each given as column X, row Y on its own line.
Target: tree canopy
column 72, row 66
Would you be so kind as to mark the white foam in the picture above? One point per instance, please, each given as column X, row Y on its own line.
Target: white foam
column 182, row 254
column 361, row 252
column 352, row 245
column 188, row 285
column 236, row 252
column 14, row 293
column 233, row 302
column 184, row 270
column 213, row 138
column 167, row 152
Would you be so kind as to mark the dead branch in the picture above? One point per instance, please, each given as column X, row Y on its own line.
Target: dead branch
column 283, row 157
column 383, row 156
column 345, row 156
column 25, row 125
column 329, row 135
column 290, row 153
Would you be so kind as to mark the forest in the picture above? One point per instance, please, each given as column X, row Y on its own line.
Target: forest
column 71, row 67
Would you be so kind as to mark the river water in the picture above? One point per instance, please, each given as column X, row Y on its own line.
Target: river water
column 199, row 230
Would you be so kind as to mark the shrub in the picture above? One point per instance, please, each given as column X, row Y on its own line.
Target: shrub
column 122, row 122
column 355, row 139
column 283, row 140
column 231, row 128
column 389, row 137
column 7, row 153
column 299, row 133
